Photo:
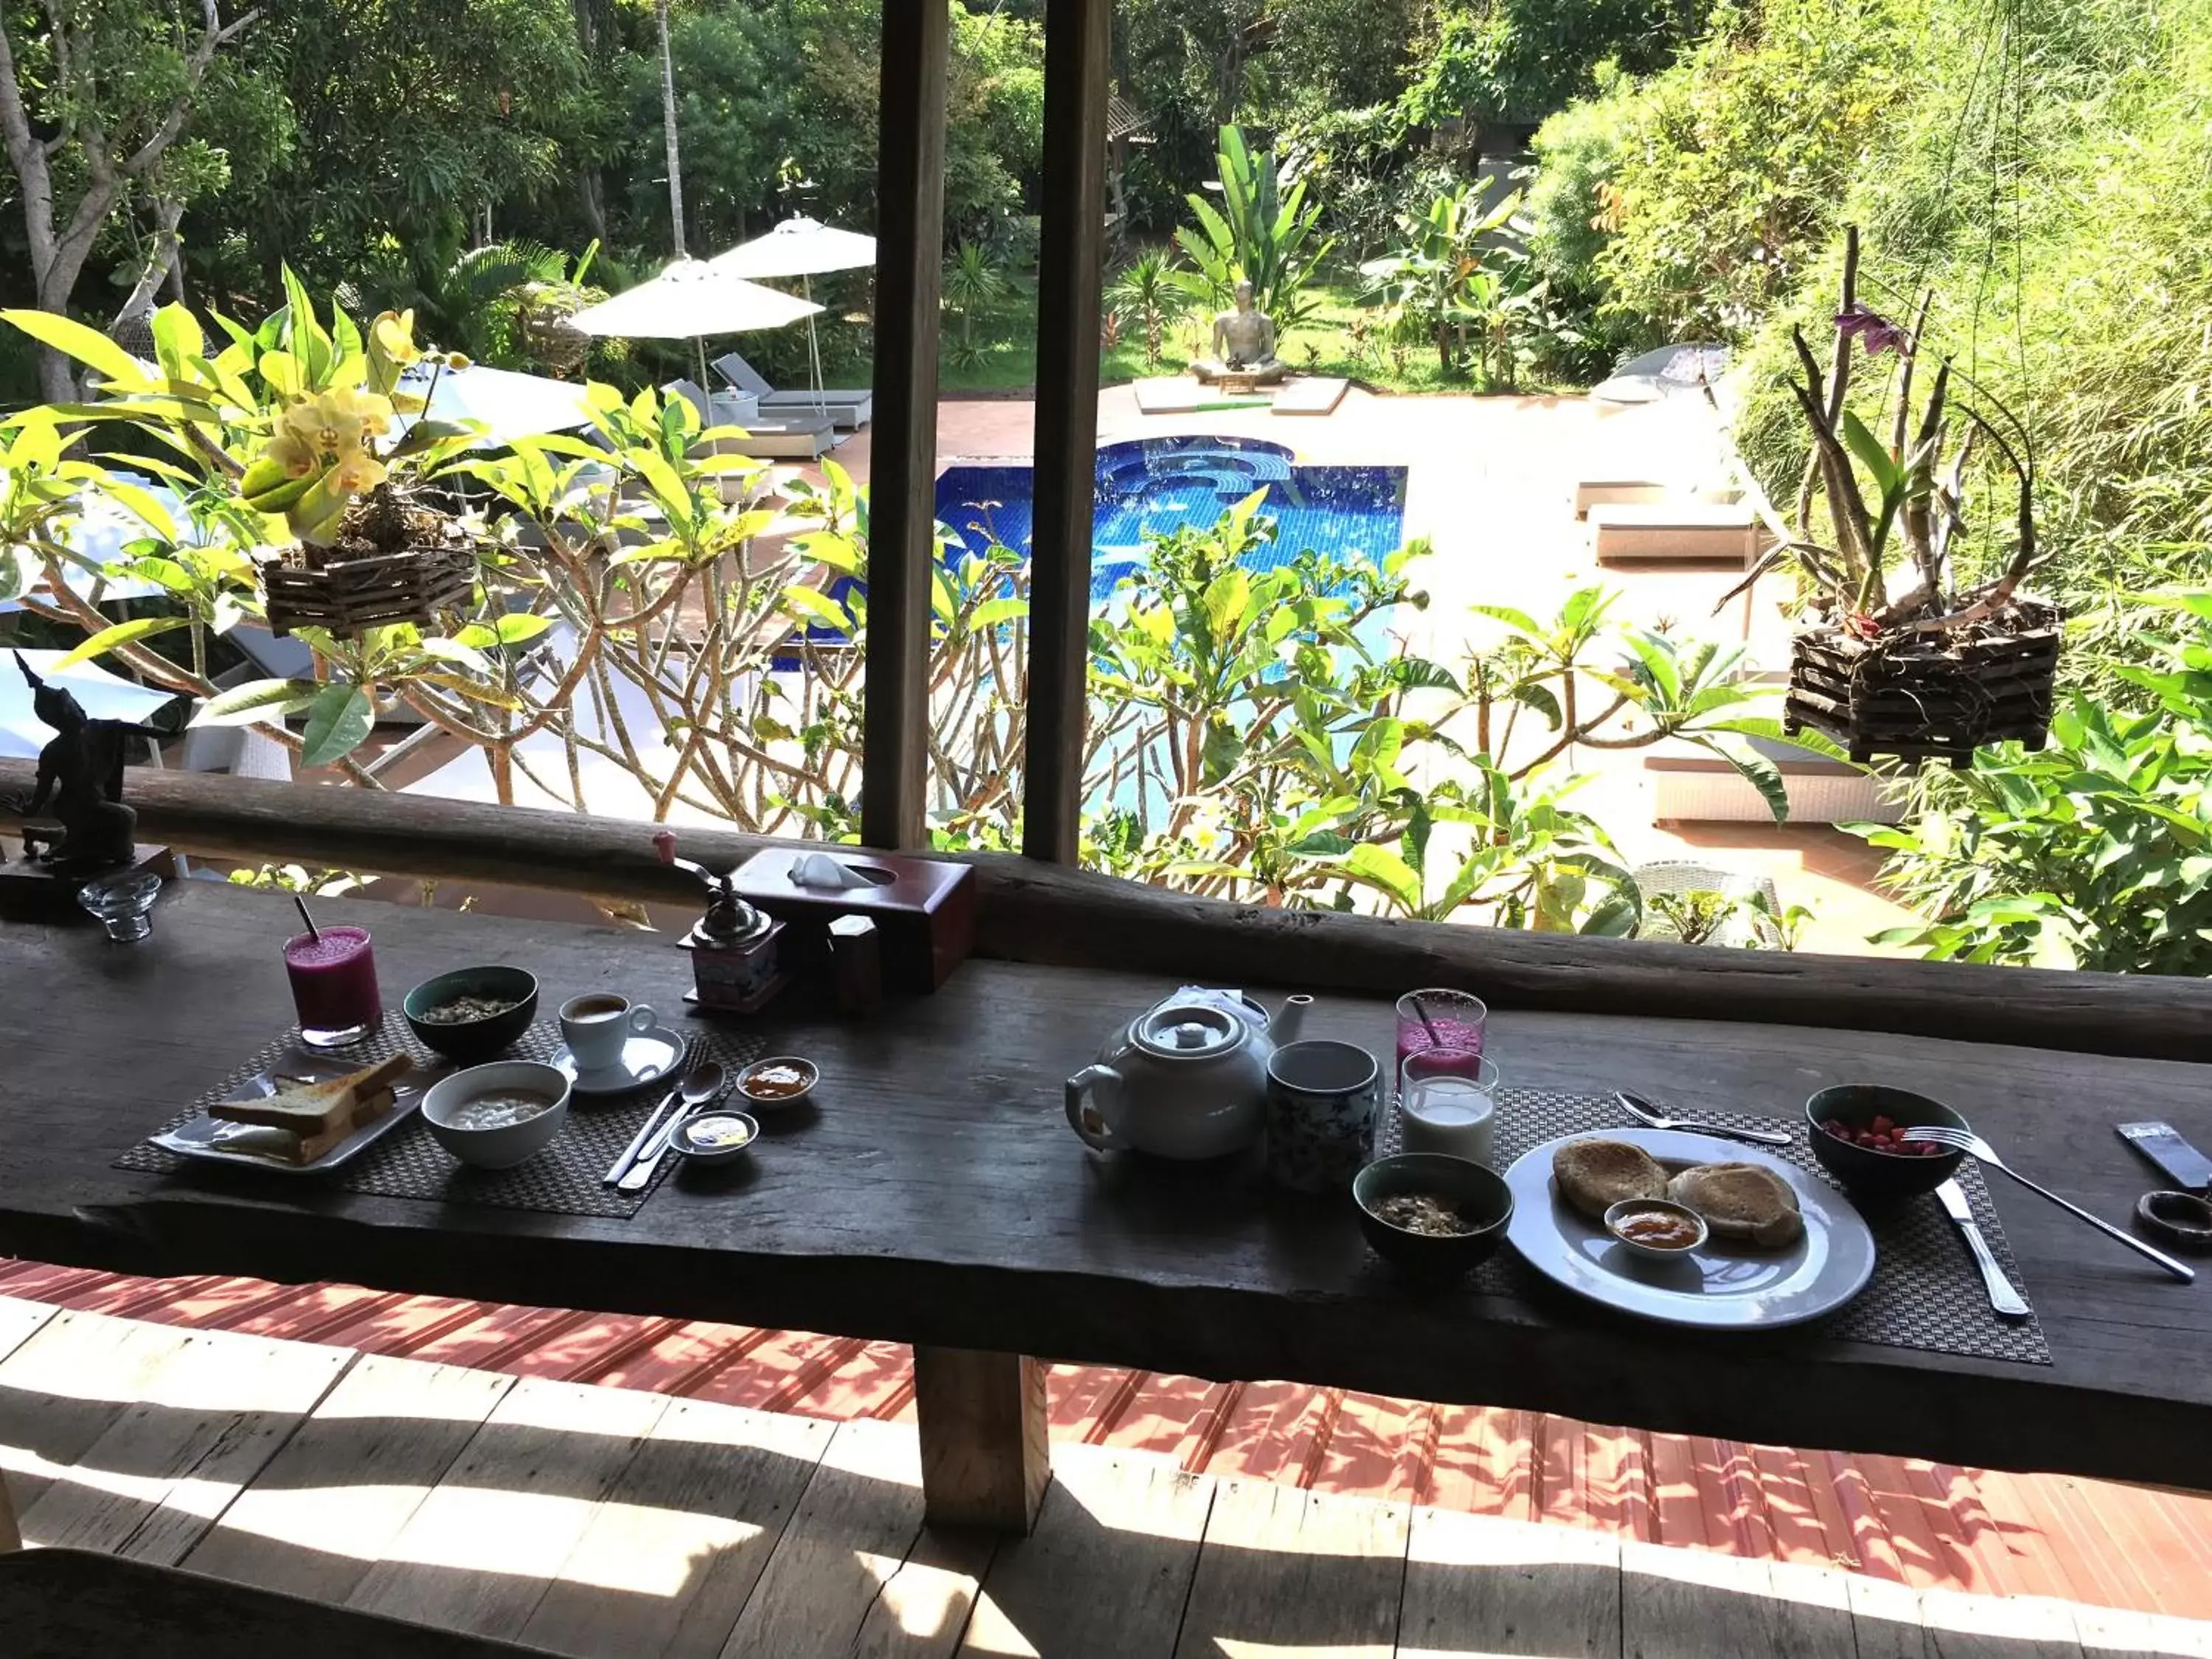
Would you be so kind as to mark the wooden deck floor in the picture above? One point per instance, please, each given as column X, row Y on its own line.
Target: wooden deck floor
column 596, row 1521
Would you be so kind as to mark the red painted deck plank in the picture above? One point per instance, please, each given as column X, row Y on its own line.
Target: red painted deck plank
column 1909, row 1520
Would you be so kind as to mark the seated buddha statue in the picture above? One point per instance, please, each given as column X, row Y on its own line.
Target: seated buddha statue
column 1243, row 346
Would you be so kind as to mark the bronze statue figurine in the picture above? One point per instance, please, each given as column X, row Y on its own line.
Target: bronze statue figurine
column 1243, row 344
column 81, row 776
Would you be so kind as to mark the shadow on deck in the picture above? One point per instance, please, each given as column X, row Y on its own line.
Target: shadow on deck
column 595, row 1520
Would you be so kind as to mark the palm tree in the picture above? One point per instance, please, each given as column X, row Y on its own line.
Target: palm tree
column 972, row 283
column 668, row 126
column 1147, row 292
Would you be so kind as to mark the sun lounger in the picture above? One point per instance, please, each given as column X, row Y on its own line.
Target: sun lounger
column 850, row 408
column 787, row 435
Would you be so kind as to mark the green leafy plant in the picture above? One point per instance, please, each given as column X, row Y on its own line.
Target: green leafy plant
column 1146, row 295
column 1898, row 501
column 2095, row 853
column 1265, row 233
column 972, row 284
column 1424, row 281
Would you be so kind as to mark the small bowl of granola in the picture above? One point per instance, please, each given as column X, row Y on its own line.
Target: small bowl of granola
column 472, row 1013
column 1432, row 1214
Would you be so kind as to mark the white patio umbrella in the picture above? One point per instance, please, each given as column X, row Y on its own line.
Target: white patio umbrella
column 508, row 404
column 103, row 696
column 690, row 301
column 804, row 248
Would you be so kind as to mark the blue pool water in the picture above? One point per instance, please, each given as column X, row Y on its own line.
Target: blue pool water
column 1153, row 485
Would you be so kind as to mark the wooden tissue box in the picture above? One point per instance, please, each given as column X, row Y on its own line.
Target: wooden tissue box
column 924, row 909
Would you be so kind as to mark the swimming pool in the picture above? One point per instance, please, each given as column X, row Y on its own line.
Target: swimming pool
column 1153, row 485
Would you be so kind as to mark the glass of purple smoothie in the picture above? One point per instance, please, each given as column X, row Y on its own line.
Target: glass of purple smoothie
column 333, row 975
column 1440, row 1019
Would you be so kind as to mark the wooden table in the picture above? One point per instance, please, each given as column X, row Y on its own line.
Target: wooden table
column 938, row 1198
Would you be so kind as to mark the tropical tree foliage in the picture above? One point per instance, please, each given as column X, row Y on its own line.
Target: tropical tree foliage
column 2095, row 852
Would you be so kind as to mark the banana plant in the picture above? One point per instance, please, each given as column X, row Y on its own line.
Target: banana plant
column 1429, row 281
column 1264, row 233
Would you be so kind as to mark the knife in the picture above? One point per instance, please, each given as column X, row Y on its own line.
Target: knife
column 2008, row 1302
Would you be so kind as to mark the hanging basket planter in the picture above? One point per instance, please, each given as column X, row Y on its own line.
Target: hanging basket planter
column 1929, row 694
column 393, row 562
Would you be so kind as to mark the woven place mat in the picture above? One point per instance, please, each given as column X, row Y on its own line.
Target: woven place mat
column 567, row 1178
column 1925, row 1293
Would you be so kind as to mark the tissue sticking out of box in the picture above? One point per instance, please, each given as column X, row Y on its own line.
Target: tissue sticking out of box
column 823, row 873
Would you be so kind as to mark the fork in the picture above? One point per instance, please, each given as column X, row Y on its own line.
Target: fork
column 1963, row 1140
column 1652, row 1118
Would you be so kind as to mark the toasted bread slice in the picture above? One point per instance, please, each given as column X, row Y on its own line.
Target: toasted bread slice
column 291, row 1148
column 1741, row 1200
column 1596, row 1175
column 316, row 1109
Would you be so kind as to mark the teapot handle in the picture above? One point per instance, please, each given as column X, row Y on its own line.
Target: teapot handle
column 1093, row 1103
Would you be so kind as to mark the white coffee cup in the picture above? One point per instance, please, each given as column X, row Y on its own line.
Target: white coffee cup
column 597, row 1025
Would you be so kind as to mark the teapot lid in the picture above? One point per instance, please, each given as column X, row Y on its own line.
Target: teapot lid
column 1189, row 1031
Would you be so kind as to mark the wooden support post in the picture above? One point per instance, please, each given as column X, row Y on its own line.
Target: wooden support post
column 985, row 1457
column 1078, row 36
column 11, row 1535
column 902, row 488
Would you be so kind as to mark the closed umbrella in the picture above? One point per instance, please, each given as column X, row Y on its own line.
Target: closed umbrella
column 804, row 248
column 690, row 301
column 509, row 405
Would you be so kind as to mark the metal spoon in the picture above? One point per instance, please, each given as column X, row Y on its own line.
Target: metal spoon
column 1645, row 1113
column 700, row 1084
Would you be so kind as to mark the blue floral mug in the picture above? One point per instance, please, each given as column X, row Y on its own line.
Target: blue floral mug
column 1322, row 1098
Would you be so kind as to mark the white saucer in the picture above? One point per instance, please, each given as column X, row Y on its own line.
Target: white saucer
column 648, row 1057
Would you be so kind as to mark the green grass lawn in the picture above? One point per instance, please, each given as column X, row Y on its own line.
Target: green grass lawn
column 1323, row 345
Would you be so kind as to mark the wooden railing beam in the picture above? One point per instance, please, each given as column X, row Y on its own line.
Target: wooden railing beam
column 1032, row 911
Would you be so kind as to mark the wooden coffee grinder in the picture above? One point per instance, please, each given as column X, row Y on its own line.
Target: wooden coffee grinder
column 734, row 960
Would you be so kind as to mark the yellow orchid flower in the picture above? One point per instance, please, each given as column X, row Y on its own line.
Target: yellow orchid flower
column 358, row 473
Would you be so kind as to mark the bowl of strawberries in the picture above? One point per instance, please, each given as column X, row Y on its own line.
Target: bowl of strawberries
column 1861, row 1135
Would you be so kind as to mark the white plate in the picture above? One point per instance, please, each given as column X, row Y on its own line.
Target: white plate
column 646, row 1058
column 202, row 1136
column 1724, row 1284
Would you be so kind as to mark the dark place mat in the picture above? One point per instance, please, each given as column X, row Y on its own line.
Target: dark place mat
column 567, row 1178
column 1925, row 1293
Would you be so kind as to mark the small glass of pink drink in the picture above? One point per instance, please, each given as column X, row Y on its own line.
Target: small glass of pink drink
column 1440, row 1019
column 333, row 976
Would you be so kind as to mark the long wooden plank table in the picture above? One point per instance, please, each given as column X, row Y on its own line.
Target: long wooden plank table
column 938, row 1198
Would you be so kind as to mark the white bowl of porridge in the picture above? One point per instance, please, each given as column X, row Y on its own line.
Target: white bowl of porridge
column 498, row 1115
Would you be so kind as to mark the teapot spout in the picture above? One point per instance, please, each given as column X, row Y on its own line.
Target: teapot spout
column 1288, row 1021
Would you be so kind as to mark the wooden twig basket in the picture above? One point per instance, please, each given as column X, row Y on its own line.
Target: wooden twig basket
column 1921, row 696
column 349, row 596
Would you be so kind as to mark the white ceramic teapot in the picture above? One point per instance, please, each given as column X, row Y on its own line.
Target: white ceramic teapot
column 1186, row 1079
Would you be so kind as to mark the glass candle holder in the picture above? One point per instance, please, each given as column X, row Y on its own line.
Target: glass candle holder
column 123, row 902
column 333, row 986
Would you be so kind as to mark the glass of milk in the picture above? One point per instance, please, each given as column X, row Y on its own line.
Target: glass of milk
column 1447, row 1103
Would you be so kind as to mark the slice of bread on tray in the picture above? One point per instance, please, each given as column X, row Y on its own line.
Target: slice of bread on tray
column 305, row 1120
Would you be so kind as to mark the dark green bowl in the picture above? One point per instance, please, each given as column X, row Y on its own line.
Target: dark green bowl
column 473, row 1041
column 1480, row 1194
column 1880, row 1175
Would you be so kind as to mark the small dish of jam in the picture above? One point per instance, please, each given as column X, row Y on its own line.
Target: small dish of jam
column 1656, row 1227
column 781, row 1081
